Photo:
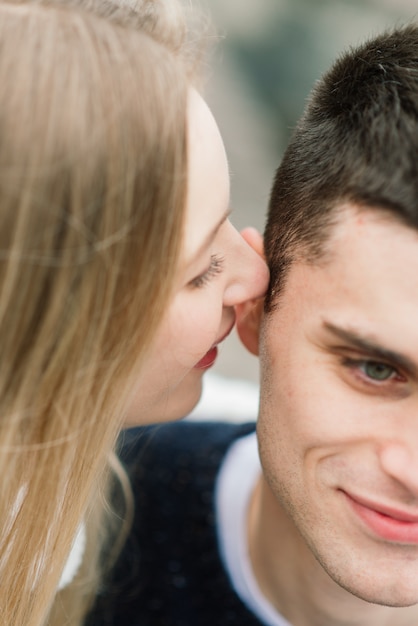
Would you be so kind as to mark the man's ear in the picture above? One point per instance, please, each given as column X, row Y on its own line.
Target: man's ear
column 254, row 239
column 249, row 317
column 249, row 313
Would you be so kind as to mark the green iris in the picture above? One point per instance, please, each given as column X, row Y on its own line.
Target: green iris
column 377, row 371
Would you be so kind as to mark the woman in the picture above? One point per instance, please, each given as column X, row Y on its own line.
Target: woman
column 119, row 274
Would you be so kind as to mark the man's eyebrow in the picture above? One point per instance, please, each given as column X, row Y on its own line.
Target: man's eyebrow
column 365, row 344
column 211, row 234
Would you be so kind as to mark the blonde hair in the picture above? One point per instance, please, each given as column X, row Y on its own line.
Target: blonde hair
column 92, row 194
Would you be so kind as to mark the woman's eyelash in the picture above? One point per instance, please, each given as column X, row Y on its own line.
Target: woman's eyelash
column 216, row 267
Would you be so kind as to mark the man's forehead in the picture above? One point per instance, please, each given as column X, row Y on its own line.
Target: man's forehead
column 349, row 220
column 351, row 215
column 369, row 270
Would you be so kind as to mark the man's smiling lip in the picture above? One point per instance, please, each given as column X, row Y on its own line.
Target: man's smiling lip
column 388, row 522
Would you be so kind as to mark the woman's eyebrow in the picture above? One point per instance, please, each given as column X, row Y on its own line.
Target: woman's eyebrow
column 368, row 345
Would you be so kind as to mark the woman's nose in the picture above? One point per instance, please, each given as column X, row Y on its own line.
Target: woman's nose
column 249, row 273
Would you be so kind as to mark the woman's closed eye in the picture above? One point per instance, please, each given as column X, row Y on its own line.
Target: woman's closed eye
column 216, row 267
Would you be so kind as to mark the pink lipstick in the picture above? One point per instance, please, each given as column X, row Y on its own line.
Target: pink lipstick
column 208, row 360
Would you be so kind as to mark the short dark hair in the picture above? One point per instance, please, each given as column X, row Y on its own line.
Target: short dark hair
column 357, row 141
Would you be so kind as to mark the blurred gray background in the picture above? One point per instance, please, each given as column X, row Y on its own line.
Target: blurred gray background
column 269, row 55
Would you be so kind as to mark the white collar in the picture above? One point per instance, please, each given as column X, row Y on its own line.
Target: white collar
column 236, row 481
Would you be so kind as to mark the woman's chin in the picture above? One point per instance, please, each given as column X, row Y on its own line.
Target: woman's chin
column 181, row 402
column 168, row 407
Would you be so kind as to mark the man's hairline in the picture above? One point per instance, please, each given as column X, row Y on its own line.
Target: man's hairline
column 303, row 253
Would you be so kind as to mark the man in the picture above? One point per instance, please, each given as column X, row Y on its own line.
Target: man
column 327, row 535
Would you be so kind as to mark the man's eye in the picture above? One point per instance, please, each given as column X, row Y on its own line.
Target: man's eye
column 373, row 371
column 377, row 371
column 374, row 377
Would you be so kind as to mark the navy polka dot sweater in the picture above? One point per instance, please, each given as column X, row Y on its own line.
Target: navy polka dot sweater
column 170, row 572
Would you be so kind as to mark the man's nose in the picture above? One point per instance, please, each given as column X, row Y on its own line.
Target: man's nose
column 400, row 461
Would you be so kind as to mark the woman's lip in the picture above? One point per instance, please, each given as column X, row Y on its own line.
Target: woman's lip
column 208, row 360
column 210, row 357
column 390, row 523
